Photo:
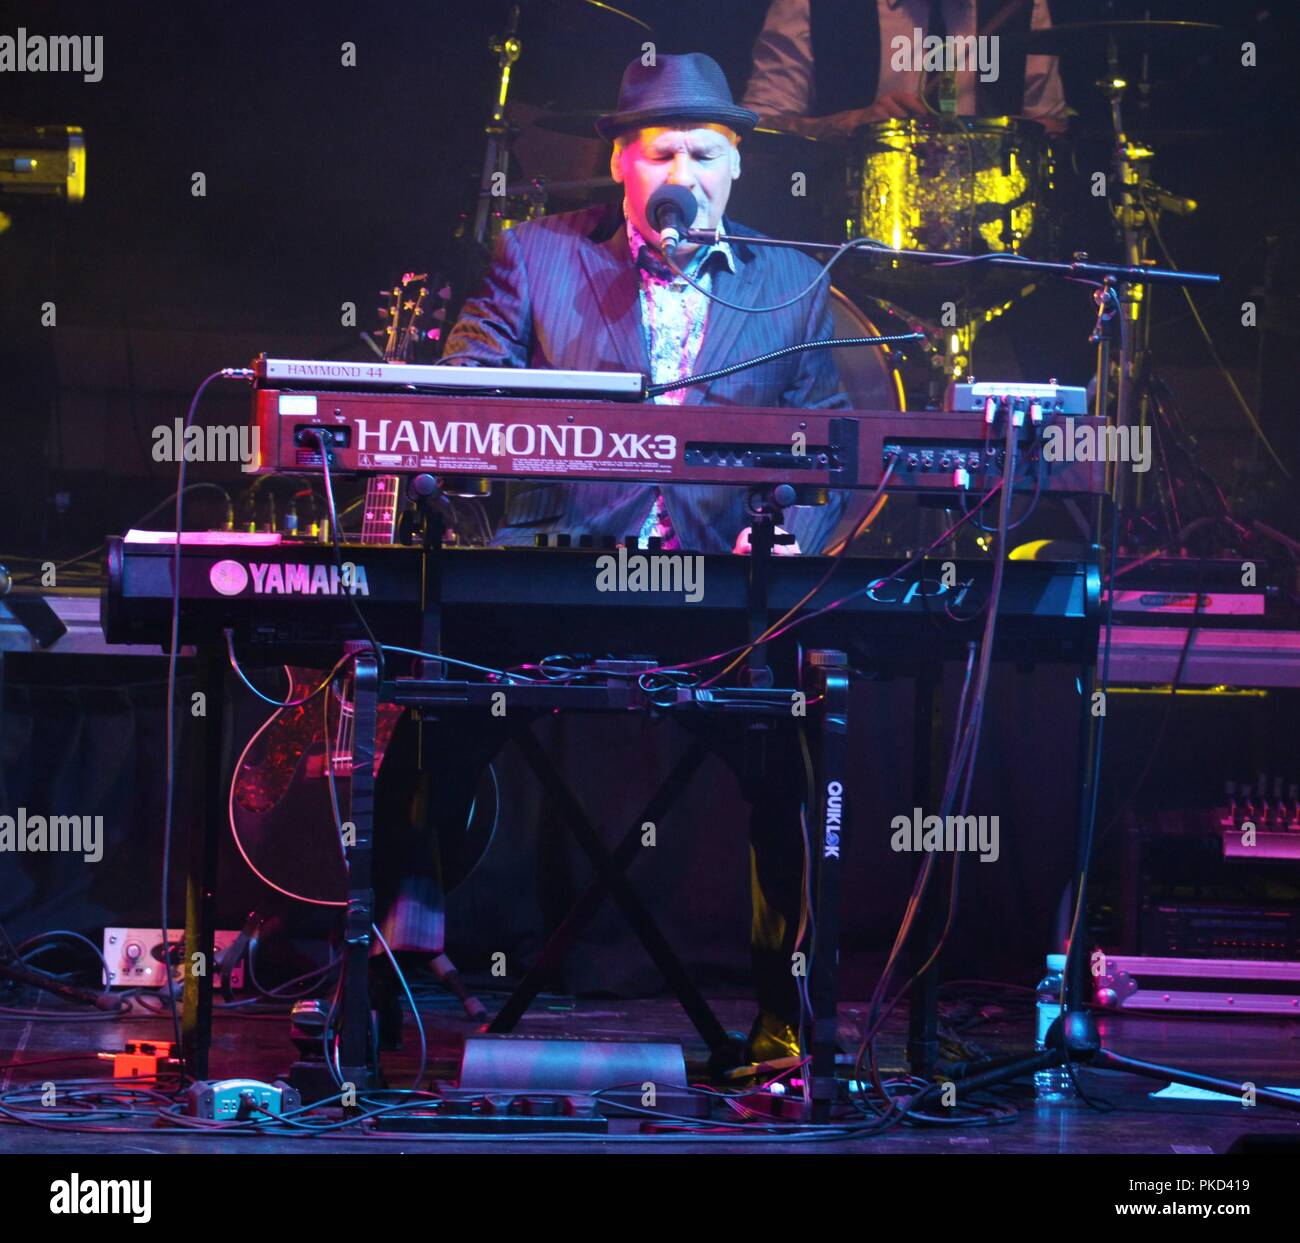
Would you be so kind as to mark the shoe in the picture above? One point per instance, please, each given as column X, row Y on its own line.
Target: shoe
column 771, row 1039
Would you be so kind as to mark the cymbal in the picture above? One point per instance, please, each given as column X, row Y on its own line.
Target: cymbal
column 573, row 52
column 768, row 140
column 593, row 21
column 763, row 138
column 1128, row 36
column 580, row 188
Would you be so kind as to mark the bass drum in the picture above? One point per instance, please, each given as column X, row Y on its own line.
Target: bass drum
column 867, row 373
column 869, row 380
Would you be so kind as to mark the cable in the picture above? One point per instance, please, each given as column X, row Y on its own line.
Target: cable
column 462, row 664
column 902, row 569
column 338, row 553
column 776, row 633
column 64, row 934
column 1154, row 748
column 707, row 377
column 840, row 251
column 873, row 508
column 173, row 653
column 415, row 1010
column 274, row 994
column 1029, row 509
column 1242, row 403
column 960, row 770
column 280, row 704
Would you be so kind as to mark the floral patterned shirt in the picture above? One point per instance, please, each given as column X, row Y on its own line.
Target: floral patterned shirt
column 673, row 318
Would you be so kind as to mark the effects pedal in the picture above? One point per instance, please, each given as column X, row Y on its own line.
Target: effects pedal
column 135, row 957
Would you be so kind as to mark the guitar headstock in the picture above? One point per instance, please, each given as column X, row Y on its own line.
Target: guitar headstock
column 414, row 319
column 412, row 327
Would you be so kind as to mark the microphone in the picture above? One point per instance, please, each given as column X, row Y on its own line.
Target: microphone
column 671, row 210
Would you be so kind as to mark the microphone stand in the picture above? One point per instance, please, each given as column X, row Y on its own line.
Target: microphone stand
column 1113, row 284
column 496, row 155
column 1078, row 267
column 1127, row 276
column 1073, row 1037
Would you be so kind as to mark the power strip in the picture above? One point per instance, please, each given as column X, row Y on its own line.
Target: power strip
column 135, row 957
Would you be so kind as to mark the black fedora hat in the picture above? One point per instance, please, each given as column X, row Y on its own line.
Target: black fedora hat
column 675, row 88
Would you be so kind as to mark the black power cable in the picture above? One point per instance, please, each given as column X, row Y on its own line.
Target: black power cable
column 707, row 377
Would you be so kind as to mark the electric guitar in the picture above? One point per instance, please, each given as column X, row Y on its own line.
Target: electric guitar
column 281, row 804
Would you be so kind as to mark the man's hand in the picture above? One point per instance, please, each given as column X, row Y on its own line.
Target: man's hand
column 841, row 125
column 1054, row 126
column 894, row 104
column 743, row 548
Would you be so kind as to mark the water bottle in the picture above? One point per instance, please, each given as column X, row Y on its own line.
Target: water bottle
column 1054, row 1084
column 948, row 95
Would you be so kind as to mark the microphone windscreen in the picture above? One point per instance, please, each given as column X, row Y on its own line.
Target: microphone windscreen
column 677, row 198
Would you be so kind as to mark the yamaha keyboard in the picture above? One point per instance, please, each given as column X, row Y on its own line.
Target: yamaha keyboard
column 500, row 606
column 381, row 429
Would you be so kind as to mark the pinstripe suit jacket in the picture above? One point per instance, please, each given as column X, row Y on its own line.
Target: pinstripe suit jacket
column 564, row 292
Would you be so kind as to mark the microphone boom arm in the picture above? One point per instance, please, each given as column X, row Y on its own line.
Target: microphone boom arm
column 1079, row 267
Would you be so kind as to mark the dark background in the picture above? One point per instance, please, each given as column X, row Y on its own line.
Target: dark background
column 324, row 183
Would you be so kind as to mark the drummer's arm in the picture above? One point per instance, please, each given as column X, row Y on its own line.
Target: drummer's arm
column 780, row 83
column 845, row 124
column 1044, row 95
column 780, row 86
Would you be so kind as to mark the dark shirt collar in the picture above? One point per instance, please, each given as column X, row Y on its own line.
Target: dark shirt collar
column 649, row 261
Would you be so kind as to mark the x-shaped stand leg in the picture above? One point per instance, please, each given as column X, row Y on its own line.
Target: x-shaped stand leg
column 610, row 879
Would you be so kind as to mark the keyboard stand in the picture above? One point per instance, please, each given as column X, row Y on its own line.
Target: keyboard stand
column 826, row 691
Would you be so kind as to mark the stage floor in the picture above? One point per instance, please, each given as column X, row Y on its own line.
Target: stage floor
column 1265, row 1052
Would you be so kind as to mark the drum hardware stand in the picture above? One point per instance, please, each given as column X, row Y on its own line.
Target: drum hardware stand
column 951, row 359
column 1129, row 217
column 1134, row 223
column 496, row 158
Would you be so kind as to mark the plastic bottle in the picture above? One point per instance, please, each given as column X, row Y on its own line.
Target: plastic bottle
column 948, row 95
column 1052, row 1085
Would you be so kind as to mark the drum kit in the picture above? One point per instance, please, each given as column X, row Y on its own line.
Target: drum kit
column 970, row 185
